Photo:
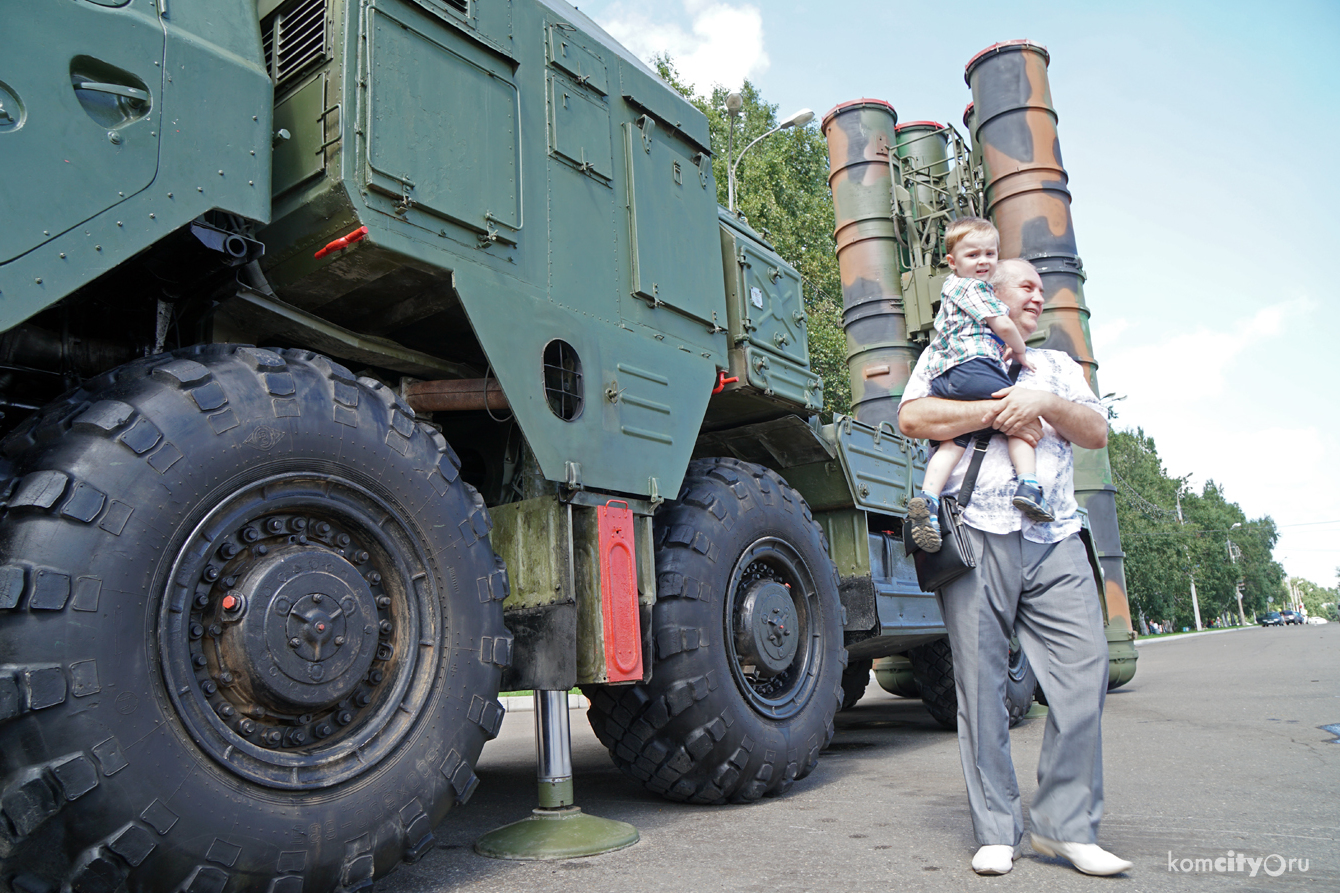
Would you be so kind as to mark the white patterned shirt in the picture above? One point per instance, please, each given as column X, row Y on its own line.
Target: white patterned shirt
column 990, row 508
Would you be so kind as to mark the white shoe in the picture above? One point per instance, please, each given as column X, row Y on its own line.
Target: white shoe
column 995, row 859
column 1089, row 858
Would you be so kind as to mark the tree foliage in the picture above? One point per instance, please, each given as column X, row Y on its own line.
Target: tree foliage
column 1164, row 554
column 782, row 190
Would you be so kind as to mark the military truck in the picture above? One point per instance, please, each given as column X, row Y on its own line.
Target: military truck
column 531, row 411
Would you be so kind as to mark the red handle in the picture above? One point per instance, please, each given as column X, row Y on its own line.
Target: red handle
column 722, row 381
column 343, row 242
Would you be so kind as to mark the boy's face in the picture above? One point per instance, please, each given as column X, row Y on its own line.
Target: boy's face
column 974, row 256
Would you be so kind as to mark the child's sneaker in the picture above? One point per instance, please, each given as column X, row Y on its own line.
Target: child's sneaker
column 924, row 513
column 1029, row 499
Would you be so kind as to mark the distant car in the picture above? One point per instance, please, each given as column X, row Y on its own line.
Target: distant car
column 1271, row 619
column 1290, row 617
column 1316, row 621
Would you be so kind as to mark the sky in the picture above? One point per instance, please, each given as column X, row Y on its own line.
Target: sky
column 1201, row 142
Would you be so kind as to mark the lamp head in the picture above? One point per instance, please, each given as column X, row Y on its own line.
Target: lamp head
column 734, row 102
column 799, row 119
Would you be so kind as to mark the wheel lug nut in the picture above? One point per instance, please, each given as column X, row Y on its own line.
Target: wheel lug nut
column 339, row 640
column 384, row 601
column 362, row 699
column 323, row 528
column 298, row 736
column 215, row 630
column 211, row 573
column 250, row 534
column 374, row 578
column 199, row 660
column 343, row 539
column 228, row 550
column 209, row 688
column 317, row 597
column 324, row 730
column 197, row 630
column 230, row 581
column 302, row 539
column 299, row 523
column 360, row 556
column 262, row 549
column 293, row 642
column 226, row 678
column 226, row 709
column 386, row 627
column 202, row 600
column 275, row 525
column 246, row 726
column 376, row 676
column 344, row 717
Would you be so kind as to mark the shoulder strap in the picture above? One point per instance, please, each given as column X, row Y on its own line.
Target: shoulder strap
column 979, row 453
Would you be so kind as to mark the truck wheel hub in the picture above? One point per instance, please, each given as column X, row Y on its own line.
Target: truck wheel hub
column 765, row 634
column 309, row 633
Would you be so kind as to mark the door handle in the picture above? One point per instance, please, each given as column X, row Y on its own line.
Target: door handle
column 134, row 94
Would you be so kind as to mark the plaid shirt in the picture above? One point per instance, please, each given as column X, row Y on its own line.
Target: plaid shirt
column 961, row 332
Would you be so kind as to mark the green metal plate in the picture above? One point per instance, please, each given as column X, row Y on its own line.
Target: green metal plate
column 300, row 157
column 884, row 467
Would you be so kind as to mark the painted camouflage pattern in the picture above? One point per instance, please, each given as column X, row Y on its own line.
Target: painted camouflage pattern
column 1013, row 126
column 880, row 357
column 923, row 147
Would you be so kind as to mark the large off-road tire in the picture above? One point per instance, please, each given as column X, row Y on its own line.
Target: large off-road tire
column 748, row 655
column 933, row 670
column 855, row 678
column 251, row 630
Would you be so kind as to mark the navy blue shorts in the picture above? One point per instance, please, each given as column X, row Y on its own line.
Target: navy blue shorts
column 975, row 379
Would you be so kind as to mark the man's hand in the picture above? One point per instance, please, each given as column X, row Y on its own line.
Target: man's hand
column 1019, row 407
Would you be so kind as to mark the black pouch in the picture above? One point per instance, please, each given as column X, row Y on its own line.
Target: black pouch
column 956, row 556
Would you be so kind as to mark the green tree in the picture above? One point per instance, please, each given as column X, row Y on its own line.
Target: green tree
column 782, row 191
column 1213, row 542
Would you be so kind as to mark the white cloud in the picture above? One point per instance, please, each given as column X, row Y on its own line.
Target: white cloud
column 710, row 42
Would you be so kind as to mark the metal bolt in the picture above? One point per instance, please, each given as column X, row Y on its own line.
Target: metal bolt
column 317, row 597
column 229, row 602
column 262, row 549
column 199, row 660
column 324, row 730
column 226, row 678
column 299, row 523
column 344, row 717
column 202, row 600
column 339, row 640
column 362, row 699
column 302, row 539
column 298, row 736
column 211, row 573
column 386, row 627
column 230, row 581
column 227, row 550
column 62, row 255
column 376, row 676
column 197, row 630
column 323, row 528
column 294, row 643
column 169, row 195
column 38, row 280
column 246, row 726
column 344, row 539
column 250, row 534
column 209, row 688
column 215, row 630
column 114, row 138
column 374, row 578
column 225, row 709
column 275, row 525
column 384, row 601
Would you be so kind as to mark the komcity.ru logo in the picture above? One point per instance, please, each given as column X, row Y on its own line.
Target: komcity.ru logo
column 1273, row 865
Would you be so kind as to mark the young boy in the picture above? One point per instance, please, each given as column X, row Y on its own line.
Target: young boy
column 974, row 338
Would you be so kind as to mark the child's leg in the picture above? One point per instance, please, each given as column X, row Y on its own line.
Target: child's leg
column 1022, row 455
column 939, row 466
column 1028, row 497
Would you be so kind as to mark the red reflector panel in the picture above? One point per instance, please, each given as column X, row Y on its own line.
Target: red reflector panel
column 618, row 594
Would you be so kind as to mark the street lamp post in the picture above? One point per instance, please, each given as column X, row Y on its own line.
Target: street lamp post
column 734, row 103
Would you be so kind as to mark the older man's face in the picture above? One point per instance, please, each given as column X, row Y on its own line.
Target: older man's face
column 1021, row 290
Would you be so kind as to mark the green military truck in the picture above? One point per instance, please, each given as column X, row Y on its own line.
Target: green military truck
column 534, row 412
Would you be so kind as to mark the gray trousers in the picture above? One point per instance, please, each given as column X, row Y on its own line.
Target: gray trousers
column 1045, row 594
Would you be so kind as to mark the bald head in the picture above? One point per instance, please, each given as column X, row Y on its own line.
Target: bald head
column 1019, row 286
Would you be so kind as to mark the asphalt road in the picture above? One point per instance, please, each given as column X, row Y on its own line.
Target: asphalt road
column 1216, row 745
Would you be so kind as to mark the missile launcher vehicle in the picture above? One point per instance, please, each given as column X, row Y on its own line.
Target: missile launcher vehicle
column 362, row 359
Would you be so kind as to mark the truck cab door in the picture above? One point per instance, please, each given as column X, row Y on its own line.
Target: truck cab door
column 80, row 89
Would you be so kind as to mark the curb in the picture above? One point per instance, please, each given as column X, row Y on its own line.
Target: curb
column 1180, row 636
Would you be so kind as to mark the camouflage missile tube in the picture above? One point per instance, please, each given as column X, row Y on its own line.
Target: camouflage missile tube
column 860, row 135
column 1013, row 126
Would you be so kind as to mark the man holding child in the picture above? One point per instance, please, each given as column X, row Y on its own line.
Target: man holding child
column 1033, row 579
